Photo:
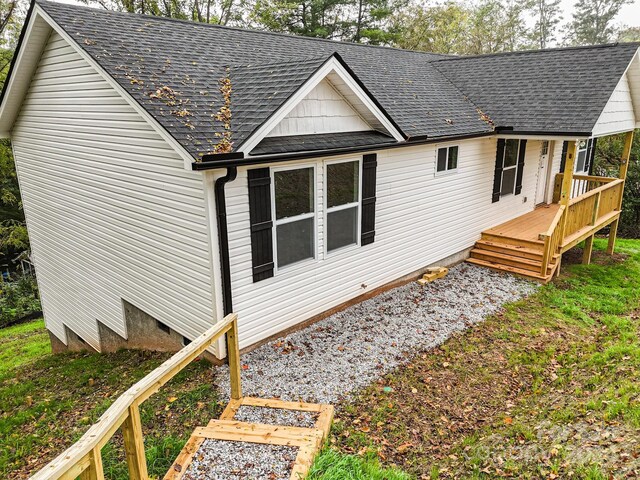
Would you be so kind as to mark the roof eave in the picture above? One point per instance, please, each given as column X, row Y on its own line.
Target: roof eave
column 237, row 159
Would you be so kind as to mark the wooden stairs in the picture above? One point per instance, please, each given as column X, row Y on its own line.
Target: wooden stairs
column 514, row 255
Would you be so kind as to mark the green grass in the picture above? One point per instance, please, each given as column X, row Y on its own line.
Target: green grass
column 331, row 465
column 491, row 402
column 21, row 345
column 48, row 401
column 524, row 393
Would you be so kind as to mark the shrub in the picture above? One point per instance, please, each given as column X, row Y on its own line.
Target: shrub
column 19, row 300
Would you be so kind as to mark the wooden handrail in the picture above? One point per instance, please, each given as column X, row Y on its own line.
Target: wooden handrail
column 552, row 238
column 595, row 191
column 84, row 458
column 554, row 223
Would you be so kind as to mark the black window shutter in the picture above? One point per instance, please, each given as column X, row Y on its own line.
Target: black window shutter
column 497, row 178
column 592, row 155
column 563, row 158
column 368, row 221
column 261, row 224
column 520, row 171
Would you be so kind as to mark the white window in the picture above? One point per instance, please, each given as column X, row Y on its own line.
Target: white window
column 342, row 193
column 583, row 156
column 295, row 214
column 510, row 167
column 447, row 159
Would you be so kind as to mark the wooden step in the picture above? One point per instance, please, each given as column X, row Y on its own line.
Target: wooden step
column 518, row 242
column 512, row 261
column 514, row 270
column 514, row 250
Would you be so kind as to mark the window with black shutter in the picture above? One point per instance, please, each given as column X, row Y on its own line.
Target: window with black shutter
column 261, row 223
column 368, row 217
column 509, row 170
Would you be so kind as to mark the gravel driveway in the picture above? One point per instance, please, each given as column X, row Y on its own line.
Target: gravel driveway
column 333, row 358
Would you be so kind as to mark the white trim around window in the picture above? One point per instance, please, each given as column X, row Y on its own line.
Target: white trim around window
column 328, row 210
column 447, row 170
column 284, row 221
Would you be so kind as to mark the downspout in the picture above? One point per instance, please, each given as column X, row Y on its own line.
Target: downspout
column 223, row 237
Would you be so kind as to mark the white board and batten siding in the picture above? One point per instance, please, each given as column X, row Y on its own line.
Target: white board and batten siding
column 112, row 212
column 323, row 110
column 421, row 218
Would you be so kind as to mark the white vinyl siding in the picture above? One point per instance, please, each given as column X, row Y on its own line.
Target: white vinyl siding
column 323, row 110
column 618, row 114
column 420, row 219
column 112, row 214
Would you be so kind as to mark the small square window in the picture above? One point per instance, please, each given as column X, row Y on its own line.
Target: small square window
column 447, row 159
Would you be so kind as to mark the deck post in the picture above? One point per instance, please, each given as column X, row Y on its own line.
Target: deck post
column 567, row 183
column 233, row 354
column 624, row 167
column 134, row 444
column 588, row 248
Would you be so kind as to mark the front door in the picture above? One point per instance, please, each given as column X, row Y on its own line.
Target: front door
column 543, row 174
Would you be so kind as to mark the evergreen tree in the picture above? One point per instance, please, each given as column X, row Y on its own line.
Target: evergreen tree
column 592, row 22
column 547, row 13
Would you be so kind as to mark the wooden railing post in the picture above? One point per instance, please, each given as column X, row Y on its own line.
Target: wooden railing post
column 134, row 444
column 95, row 470
column 233, row 353
column 624, row 167
column 567, row 181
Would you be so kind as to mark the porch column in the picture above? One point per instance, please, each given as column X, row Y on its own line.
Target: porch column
column 567, row 181
column 624, row 167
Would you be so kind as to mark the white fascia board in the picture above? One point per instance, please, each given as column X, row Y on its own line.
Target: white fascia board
column 7, row 119
column 331, row 66
column 180, row 150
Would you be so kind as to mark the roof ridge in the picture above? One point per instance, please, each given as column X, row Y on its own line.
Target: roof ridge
column 241, row 29
column 534, row 51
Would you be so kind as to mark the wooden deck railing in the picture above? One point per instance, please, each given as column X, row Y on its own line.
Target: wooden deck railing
column 552, row 240
column 586, row 213
column 592, row 210
column 581, row 184
column 84, row 458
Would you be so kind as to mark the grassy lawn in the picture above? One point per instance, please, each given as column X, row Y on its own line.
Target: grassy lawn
column 47, row 401
column 550, row 388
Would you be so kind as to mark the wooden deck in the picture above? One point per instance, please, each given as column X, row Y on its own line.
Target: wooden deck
column 527, row 227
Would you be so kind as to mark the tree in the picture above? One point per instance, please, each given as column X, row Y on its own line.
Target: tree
column 607, row 163
column 309, row 18
column 372, row 24
column 220, row 12
column 629, row 34
column 547, row 13
column 592, row 22
column 440, row 29
column 13, row 231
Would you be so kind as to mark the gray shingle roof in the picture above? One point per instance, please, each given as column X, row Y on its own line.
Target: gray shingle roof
column 561, row 90
column 325, row 141
column 173, row 68
column 144, row 54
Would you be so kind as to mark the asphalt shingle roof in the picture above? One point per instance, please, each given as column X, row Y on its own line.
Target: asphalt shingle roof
column 173, row 68
column 561, row 90
column 144, row 54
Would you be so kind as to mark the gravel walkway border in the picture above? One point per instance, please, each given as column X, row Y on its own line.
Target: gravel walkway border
column 332, row 359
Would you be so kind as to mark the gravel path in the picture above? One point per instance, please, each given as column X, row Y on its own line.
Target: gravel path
column 275, row 416
column 223, row 460
column 345, row 352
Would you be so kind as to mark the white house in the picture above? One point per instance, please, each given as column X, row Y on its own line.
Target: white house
column 172, row 172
